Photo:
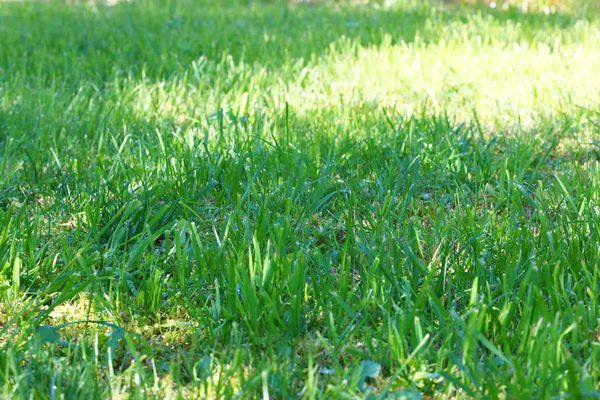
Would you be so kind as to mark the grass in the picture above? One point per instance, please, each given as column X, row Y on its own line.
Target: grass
column 256, row 200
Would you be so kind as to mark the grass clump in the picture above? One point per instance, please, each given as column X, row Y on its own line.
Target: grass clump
column 317, row 201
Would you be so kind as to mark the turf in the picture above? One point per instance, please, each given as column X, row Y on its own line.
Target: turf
column 264, row 200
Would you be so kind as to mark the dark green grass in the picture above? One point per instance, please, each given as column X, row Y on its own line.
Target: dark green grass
column 176, row 220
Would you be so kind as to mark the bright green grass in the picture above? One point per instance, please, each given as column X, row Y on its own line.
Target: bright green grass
column 202, row 200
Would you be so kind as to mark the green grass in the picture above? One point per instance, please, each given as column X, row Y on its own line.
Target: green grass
column 242, row 200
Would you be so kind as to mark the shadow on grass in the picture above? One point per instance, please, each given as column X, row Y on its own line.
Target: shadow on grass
column 161, row 39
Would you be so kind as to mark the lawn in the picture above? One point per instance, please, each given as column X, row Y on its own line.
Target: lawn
column 246, row 199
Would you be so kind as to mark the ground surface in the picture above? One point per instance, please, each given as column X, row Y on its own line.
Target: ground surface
column 315, row 201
